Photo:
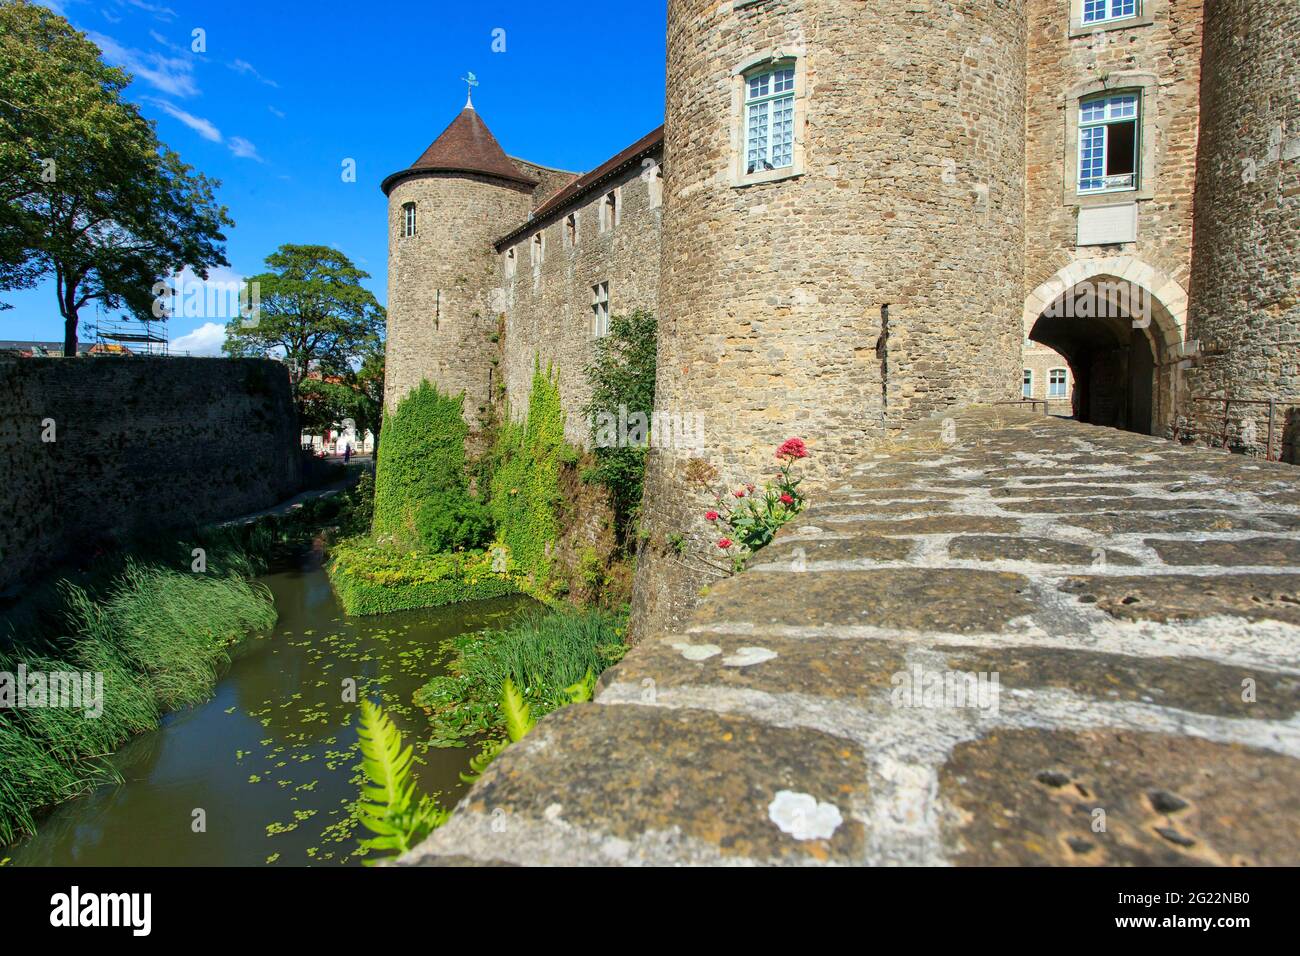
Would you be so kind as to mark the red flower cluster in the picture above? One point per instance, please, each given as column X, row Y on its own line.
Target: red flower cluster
column 792, row 448
column 787, row 500
column 711, row 516
column 725, row 543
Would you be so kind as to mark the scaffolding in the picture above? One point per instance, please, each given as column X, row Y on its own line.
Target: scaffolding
column 129, row 337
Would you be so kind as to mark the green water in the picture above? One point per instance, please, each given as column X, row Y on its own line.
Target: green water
column 271, row 758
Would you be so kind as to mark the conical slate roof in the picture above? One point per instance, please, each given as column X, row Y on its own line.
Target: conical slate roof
column 466, row 146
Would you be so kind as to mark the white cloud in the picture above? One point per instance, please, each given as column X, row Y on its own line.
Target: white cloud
column 207, row 339
column 173, row 75
column 243, row 148
column 158, row 12
column 247, row 69
column 203, row 127
column 276, row 113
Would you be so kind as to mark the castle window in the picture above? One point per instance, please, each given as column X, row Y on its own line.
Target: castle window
column 1027, row 388
column 654, row 177
column 609, row 211
column 600, row 310
column 408, row 219
column 1103, row 11
column 538, row 251
column 1108, row 143
column 571, row 230
column 769, row 119
column 511, row 263
column 769, row 113
column 1056, row 383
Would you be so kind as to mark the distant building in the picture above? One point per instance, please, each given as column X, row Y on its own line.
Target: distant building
column 28, row 349
column 1047, row 376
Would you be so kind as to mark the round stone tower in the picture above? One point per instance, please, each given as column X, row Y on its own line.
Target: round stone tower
column 868, row 276
column 444, row 212
column 1245, row 303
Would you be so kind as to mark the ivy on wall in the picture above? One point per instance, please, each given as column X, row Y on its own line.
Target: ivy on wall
column 525, row 480
column 421, row 489
column 622, row 376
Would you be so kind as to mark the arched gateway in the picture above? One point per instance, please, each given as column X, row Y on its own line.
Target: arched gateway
column 1121, row 324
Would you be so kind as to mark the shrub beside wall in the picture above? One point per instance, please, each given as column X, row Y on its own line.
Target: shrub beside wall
column 375, row 579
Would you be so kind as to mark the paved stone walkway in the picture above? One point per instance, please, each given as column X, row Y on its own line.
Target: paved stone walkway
column 1139, row 603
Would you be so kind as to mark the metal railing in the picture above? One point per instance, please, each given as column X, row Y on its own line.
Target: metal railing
column 1219, row 431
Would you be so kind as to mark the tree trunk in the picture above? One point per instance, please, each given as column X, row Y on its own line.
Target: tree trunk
column 70, row 334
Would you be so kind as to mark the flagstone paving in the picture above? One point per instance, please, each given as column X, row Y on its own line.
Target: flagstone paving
column 1137, row 602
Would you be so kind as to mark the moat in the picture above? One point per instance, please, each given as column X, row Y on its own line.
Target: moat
column 268, row 764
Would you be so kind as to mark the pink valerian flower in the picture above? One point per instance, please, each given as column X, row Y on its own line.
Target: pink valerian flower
column 739, row 492
column 792, row 448
column 787, row 500
column 725, row 543
column 710, row 516
column 749, row 488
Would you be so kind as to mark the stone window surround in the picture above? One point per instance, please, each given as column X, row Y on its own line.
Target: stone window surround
column 738, row 177
column 511, row 260
column 1145, row 17
column 408, row 223
column 1145, row 84
column 604, row 216
column 537, row 249
column 574, row 240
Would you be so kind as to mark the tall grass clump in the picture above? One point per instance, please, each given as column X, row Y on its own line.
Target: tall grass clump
column 543, row 655
column 158, row 632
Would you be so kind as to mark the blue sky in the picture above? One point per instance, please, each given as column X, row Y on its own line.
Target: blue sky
column 287, row 91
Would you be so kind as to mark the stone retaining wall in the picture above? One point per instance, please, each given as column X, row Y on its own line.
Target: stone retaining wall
column 98, row 450
column 1138, row 602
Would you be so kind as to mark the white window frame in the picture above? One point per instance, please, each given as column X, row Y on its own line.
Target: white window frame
column 753, row 67
column 1115, row 110
column 1027, row 384
column 769, row 101
column 408, row 220
column 1064, row 383
column 600, row 310
column 1096, row 12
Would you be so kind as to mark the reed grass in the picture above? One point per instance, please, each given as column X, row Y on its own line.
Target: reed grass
column 159, row 634
column 542, row 654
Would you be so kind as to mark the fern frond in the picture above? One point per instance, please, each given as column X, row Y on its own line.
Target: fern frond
column 387, row 807
column 582, row 691
column 518, row 719
column 491, row 750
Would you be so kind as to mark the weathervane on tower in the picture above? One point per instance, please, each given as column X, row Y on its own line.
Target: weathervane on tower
column 472, row 81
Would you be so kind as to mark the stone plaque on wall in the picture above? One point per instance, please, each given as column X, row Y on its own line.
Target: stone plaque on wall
column 1108, row 225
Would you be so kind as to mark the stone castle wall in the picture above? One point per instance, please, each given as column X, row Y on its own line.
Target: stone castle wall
column 548, row 309
column 1162, row 49
column 1245, row 302
column 773, row 294
column 141, row 445
column 441, row 319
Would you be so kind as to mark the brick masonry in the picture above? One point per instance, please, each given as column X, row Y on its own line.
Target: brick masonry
column 142, row 445
column 1138, row 602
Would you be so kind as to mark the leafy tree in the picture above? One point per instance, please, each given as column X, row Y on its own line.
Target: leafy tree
column 315, row 314
column 88, row 194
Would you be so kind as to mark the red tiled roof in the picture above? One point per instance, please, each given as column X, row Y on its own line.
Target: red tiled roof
column 466, row 146
column 584, row 184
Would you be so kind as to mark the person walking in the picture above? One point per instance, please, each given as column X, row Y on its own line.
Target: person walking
column 347, row 452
